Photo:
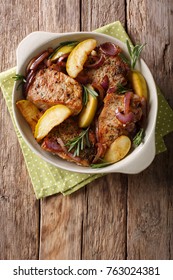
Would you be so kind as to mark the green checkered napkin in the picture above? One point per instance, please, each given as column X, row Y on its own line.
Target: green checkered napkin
column 47, row 179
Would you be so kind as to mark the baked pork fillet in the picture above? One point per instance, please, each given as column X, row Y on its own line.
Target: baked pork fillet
column 57, row 141
column 51, row 87
column 119, row 116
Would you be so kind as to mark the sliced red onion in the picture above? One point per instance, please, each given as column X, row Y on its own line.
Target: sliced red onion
column 96, row 64
column 29, row 64
column 29, row 80
column 110, row 49
column 56, row 67
column 75, row 158
column 38, row 60
column 62, row 63
column 97, row 129
column 62, row 60
column 61, row 143
column 105, row 82
column 124, row 118
column 137, row 114
column 100, row 152
column 112, row 89
column 62, row 57
column 51, row 145
column 99, row 89
column 47, row 62
column 29, row 75
column 127, row 98
column 131, row 127
column 82, row 79
column 50, row 50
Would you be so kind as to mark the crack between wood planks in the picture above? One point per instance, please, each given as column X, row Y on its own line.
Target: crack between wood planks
column 80, row 15
column 39, row 230
column 126, row 233
column 125, row 14
column 81, row 245
column 165, row 51
column 84, row 218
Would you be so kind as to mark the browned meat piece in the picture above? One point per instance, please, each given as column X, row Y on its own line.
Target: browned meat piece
column 109, row 126
column 51, row 87
column 113, row 67
column 55, row 142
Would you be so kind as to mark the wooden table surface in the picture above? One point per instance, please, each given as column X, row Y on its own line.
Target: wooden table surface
column 115, row 217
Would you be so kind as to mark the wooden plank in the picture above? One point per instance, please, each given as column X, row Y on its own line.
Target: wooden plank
column 61, row 227
column 99, row 13
column 104, row 221
column 150, row 200
column 61, row 217
column 19, row 219
column 59, row 15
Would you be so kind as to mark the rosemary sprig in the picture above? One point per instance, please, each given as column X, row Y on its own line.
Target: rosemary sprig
column 124, row 58
column 87, row 90
column 134, row 53
column 62, row 44
column 19, row 77
column 122, row 89
column 79, row 142
column 137, row 140
column 100, row 165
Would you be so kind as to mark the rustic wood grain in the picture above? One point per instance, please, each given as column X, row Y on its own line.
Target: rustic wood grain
column 114, row 217
column 104, row 221
column 95, row 14
column 61, row 218
column 59, row 16
column 61, row 227
column 19, row 219
column 150, row 203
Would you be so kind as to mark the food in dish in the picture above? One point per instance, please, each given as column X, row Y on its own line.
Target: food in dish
column 91, row 104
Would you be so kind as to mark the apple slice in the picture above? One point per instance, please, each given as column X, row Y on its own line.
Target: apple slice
column 30, row 112
column 78, row 57
column 139, row 84
column 118, row 149
column 88, row 112
column 63, row 50
column 51, row 118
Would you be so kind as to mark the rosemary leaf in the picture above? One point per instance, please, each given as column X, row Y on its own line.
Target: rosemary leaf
column 137, row 140
column 85, row 96
column 69, row 43
column 122, row 89
column 134, row 53
column 62, row 44
column 92, row 92
column 79, row 142
column 124, row 58
column 87, row 140
column 78, row 149
column 100, row 165
column 129, row 47
column 19, row 77
column 86, row 92
column 82, row 144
